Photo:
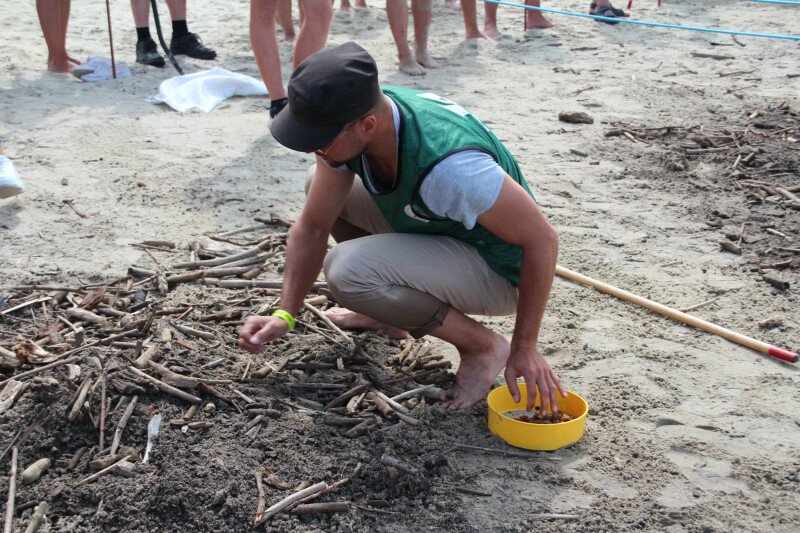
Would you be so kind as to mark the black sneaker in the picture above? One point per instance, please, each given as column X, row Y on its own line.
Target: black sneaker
column 147, row 54
column 191, row 45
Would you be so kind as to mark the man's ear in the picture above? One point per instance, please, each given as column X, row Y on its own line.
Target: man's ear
column 370, row 124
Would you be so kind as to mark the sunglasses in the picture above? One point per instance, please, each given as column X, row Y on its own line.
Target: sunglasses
column 323, row 152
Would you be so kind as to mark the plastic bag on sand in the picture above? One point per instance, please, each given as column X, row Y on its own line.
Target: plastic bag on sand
column 205, row 89
column 98, row 68
column 10, row 181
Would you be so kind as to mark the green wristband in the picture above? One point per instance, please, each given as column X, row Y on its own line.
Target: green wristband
column 286, row 316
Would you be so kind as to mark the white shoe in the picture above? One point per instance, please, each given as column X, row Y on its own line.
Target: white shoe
column 10, row 181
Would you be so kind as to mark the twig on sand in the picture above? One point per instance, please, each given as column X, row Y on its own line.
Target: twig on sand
column 36, row 518
column 12, row 492
column 169, row 389
column 80, row 397
column 101, row 473
column 261, row 497
column 44, row 368
column 326, row 507
column 334, row 486
column 398, row 464
column 289, row 500
column 123, row 422
column 351, row 344
column 412, row 392
column 103, row 382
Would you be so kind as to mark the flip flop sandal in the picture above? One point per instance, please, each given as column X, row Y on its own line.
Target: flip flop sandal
column 607, row 11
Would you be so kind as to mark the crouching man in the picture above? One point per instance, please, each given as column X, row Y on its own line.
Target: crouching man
column 440, row 225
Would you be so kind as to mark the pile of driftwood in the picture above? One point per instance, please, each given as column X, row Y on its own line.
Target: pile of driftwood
column 760, row 158
column 106, row 346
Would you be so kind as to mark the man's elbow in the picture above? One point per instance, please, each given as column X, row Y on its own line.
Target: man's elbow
column 304, row 230
column 545, row 243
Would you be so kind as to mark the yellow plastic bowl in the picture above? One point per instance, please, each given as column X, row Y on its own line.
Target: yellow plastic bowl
column 535, row 436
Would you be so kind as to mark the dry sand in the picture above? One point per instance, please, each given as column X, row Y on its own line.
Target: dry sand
column 687, row 432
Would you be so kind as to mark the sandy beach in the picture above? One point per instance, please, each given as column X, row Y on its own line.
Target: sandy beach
column 693, row 137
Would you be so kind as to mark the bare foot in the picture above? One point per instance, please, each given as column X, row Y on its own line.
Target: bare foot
column 475, row 35
column 73, row 60
column 288, row 38
column 347, row 319
column 63, row 65
column 477, row 372
column 426, row 60
column 491, row 32
column 361, row 4
column 535, row 21
column 410, row 66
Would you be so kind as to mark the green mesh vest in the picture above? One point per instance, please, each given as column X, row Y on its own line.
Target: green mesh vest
column 432, row 128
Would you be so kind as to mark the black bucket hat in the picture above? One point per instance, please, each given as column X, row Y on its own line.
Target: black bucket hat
column 330, row 89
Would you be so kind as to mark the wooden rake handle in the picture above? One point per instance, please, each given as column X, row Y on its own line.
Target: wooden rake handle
column 680, row 316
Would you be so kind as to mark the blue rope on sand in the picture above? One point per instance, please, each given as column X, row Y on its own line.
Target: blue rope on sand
column 645, row 23
column 785, row 2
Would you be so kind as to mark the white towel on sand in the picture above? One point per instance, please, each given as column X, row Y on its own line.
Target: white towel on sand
column 10, row 182
column 205, row 89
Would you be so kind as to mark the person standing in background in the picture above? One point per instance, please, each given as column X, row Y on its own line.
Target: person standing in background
column 183, row 42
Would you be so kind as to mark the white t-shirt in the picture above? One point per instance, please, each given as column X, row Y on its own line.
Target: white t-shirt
column 460, row 187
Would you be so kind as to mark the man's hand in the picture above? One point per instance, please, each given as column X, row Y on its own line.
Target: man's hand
column 531, row 365
column 260, row 329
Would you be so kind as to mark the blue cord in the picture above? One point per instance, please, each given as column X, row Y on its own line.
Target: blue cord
column 644, row 23
column 785, row 2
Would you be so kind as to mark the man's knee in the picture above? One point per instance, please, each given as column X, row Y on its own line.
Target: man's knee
column 312, row 170
column 345, row 270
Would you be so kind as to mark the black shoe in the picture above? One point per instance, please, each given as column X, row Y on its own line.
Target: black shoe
column 147, row 54
column 190, row 45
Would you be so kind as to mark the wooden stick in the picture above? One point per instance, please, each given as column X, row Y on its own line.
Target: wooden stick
column 25, row 304
column 12, row 492
column 36, row 518
column 330, row 324
column 393, row 404
column 241, row 230
column 173, row 378
column 684, row 318
column 289, row 500
column 345, row 396
column 169, row 389
column 100, row 473
column 143, row 361
column 698, row 306
column 410, row 393
column 80, row 397
column 398, row 464
column 186, row 330
column 103, row 380
column 334, row 486
column 123, row 422
column 254, row 284
column 261, row 497
column 327, row 507
column 227, row 259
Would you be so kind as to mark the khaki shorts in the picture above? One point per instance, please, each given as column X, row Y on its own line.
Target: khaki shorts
column 410, row 280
